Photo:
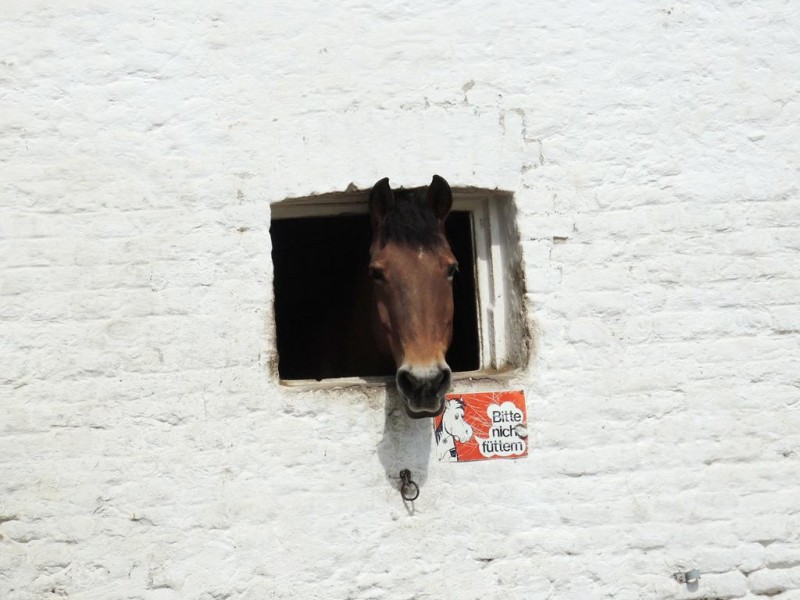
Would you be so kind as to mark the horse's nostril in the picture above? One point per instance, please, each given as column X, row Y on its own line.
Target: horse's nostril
column 406, row 381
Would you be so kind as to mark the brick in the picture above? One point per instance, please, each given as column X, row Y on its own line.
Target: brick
column 782, row 555
column 773, row 581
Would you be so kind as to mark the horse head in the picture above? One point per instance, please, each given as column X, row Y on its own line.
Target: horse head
column 412, row 268
column 453, row 421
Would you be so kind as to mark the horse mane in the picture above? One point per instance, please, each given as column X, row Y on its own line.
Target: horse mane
column 439, row 431
column 411, row 222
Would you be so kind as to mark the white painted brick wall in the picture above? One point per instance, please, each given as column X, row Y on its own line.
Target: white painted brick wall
column 146, row 449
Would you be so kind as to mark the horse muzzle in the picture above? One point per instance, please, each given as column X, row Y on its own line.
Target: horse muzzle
column 423, row 389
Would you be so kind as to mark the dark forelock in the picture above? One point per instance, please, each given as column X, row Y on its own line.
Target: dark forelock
column 410, row 221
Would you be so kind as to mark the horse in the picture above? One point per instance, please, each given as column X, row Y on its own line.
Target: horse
column 412, row 268
column 453, row 427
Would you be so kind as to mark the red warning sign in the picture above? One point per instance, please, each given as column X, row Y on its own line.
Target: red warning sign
column 483, row 426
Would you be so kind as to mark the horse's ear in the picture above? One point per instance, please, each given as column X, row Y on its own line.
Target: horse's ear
column 381, row 200
column 440, row 197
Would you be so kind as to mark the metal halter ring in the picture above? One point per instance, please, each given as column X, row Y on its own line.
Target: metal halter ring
column 409, row 490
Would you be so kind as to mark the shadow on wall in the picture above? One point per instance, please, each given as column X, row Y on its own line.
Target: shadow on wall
column 406, row 443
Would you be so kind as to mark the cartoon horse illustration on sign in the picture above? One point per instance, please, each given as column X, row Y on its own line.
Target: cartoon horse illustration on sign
column 453, row 427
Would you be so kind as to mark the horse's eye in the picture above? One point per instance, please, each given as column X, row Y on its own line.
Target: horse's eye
column 376, row 274
column 451, row 271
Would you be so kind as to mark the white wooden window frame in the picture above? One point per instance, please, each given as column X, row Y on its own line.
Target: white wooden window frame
column 498, row 275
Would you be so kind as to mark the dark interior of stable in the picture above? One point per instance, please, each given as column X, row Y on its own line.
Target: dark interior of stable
column 315, row 261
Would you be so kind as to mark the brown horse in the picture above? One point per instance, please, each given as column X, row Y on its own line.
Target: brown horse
column 412, row 269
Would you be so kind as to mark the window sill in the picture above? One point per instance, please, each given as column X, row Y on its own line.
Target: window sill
column 493, row 375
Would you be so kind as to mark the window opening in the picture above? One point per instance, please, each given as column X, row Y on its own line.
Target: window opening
column 320, row 245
